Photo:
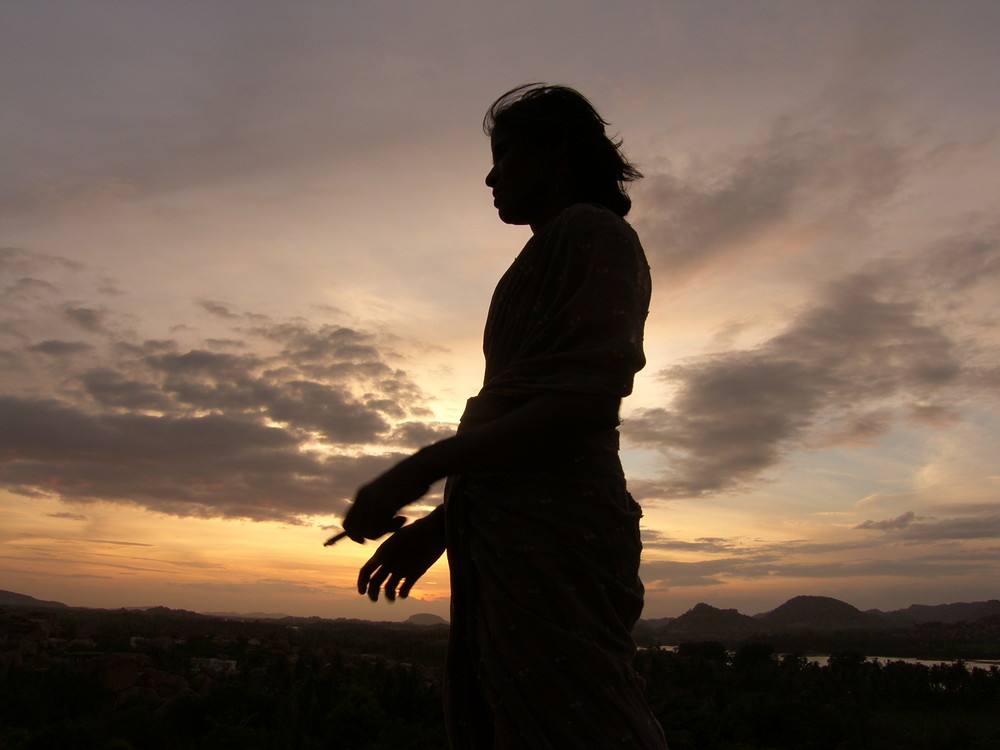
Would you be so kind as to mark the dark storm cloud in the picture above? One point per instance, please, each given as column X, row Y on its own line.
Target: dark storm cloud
column 417, row 434
column 314, row 406
column 832, row 377
column 112, row 389
column 212, row 465
column 277, row 421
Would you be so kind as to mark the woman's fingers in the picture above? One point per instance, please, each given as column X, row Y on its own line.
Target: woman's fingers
column 404, row 590
column 390, row 587
column 376, row 583
column 365, row 574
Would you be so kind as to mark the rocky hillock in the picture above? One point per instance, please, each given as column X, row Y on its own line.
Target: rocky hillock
column 12, row 599
column 818, row 613
column 704, row 622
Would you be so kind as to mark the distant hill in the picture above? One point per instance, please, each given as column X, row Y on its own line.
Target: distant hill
column 803, row 615
column 950, row 613
column 425, row 618
column 248, row 615
column 11, row 599
column 704, row 622
column 818, row 613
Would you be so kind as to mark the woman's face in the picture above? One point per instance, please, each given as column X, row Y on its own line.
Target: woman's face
column 524, row 178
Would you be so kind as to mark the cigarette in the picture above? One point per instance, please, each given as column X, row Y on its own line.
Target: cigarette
column 334, row 539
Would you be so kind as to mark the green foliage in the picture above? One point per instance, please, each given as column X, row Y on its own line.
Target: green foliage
column 761, row 701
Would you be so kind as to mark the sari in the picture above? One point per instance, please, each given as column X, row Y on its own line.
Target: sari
column 544, row 555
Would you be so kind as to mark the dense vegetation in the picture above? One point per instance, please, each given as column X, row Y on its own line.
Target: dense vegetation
column 707, row 698
column 163, row 679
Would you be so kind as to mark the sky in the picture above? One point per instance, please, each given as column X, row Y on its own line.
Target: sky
column 246, row 253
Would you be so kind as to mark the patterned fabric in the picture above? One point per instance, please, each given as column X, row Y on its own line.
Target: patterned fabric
column 544, row 558
column 568, row 314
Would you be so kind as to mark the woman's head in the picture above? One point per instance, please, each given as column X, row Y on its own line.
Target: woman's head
column 558, row 116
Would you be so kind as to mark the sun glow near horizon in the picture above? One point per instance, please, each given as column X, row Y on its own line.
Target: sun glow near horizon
column 254, row 274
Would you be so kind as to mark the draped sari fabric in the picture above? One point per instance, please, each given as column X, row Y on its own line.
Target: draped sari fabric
column 544, row 556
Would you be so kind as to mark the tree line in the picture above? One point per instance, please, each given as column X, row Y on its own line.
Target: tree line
column 159, row 680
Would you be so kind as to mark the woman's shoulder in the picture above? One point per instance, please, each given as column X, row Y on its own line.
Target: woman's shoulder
column 591, row 214
column 593, row 225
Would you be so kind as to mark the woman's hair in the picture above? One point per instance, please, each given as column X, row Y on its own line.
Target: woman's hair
column 541, row 112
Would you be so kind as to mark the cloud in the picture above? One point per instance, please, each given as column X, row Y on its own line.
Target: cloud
column 70, row 516
column 113, row 390
column 799, row 560
column 967, row 259
column 263, row 586
column 57, row 348
column 910, row 546
column 836, row 375
column 212, row 465
column 895, row 338
column 219, row 309
column 16, row 261
column 900, row 522
column 88, row 318
column 812, row 173
column 277, row 420
column 974, row 521
column 982, row 526
column 123, row 544
column 660, row 573
column 652, row 539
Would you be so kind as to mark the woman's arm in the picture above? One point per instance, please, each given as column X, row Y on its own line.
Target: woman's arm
column 527, row 432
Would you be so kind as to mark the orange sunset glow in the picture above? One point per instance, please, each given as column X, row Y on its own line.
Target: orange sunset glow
column 247, row 253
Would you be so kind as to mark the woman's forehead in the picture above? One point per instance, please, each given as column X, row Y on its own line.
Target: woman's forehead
column 500, row 135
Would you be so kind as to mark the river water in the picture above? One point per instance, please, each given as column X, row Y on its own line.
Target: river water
column 969, row 663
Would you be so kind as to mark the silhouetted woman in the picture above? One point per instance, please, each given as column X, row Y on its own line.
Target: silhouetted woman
column 541, row 534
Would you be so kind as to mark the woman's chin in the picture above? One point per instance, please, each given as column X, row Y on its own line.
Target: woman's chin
column 511, row 217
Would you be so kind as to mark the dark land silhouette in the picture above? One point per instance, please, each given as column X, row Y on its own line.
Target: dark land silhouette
column 164, row 678
column 819, row 624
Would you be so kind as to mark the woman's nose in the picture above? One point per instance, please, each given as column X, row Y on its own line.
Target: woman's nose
column 491, row 177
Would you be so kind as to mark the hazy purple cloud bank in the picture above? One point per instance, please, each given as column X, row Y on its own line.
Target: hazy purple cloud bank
column 892, row 335
column 843, row 371
column 806, row 176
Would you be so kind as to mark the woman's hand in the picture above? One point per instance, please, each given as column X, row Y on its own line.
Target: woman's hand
column 373, row 513
column 402, row 558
